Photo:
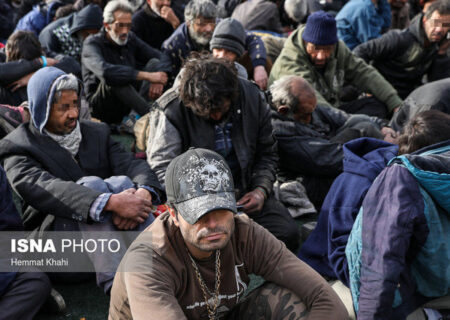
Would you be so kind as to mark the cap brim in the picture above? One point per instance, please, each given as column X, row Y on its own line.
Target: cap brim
column 193, row 209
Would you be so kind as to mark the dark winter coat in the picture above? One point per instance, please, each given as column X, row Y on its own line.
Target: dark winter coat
column 401, row 56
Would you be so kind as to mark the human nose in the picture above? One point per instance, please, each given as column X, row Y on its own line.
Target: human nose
column 210, row 27
column 321, row 55
column 73, row 112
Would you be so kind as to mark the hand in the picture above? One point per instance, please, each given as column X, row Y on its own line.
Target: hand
column 168, row 15
column 129, row 205
column 22, row 82
column 252, row 201
column 123, row 223
column 157, row 77
column 260, row 77
column 155, row 90
column 389, row 135
column 144, row 194
column 51, row 62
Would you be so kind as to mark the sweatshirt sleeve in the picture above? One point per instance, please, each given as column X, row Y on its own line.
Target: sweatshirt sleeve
column 269, row 258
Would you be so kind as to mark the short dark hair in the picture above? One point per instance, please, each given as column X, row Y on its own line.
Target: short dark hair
column 23, row 45
column 206, row 82
column 441, row 6
column 426, row 128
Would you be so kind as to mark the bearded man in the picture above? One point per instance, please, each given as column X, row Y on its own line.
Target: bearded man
column 114, row 61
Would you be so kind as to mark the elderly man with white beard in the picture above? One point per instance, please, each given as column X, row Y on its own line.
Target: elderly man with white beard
column 116, row 64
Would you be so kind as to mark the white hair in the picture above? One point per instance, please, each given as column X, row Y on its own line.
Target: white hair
column 200, row 8
column 113, row 6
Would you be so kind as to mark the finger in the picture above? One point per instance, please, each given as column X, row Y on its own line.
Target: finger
column 15, row 87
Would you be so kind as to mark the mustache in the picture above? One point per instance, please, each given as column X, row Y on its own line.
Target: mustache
column 205, row 232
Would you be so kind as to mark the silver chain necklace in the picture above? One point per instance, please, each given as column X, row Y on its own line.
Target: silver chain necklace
column 212, row 310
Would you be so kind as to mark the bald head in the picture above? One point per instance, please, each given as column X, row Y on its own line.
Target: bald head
column 294, row 97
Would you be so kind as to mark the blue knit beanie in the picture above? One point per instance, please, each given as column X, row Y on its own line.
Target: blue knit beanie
column 320, row 29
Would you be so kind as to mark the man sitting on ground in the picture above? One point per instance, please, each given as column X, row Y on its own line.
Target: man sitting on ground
column 310, row 136
column 195, row 35
column 66, row 35
column 114, row 60
column 314, row 53
column 57, row 164
column 403, row 57
column 169, row 270
column 216, row 110
column 155, row 22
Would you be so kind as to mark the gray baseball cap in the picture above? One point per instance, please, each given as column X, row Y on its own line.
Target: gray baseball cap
column 199, row 181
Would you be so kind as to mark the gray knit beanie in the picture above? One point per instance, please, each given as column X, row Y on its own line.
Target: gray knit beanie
column 229, row 34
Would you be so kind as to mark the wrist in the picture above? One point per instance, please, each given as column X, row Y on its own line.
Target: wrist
column 263, row 192
column 109, row 206
column 44, row 61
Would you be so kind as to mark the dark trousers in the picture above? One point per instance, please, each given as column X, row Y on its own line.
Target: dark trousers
column 24, row 296
column 269, row 302
column 111, row 104
column 370, row 106
column 276, row 218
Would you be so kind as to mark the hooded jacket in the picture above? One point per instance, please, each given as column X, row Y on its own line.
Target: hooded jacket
column 324, row 250
column 399, row 248
column 60, row 35
column 44, row 174
column 401, row 56
column 342, row 68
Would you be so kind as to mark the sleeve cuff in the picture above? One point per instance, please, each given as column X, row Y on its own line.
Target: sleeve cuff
column 155, row 195
column 96, row 210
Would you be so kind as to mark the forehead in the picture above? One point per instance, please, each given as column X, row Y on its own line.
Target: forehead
column 201, row 19
column 67, row 96
column 122, row 16
column 315, row 47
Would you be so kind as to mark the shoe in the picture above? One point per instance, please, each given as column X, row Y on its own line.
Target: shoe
column 55, row 303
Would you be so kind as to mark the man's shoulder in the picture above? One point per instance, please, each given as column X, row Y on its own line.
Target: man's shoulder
column 17, row 140
column 178, row 38
column 158, row 240
column 91, row 127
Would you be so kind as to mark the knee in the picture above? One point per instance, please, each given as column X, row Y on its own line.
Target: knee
column 94, row 183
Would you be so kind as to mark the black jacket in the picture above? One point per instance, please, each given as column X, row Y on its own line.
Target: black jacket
column 309, row 149
column 89, row 17
column 431, row 96
column 401, row 56
column 43, row 173
column 102, row 60
column 251, row 134
column 150, row 27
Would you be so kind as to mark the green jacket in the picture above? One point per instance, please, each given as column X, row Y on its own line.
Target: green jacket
column 343, row 67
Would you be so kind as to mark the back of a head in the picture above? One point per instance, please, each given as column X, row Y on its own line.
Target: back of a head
column 441, row 6
column 297, row 10
column 200, row 8
column 286, row 92
column 206, row 81
column 425, row 129
column 23, row 45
